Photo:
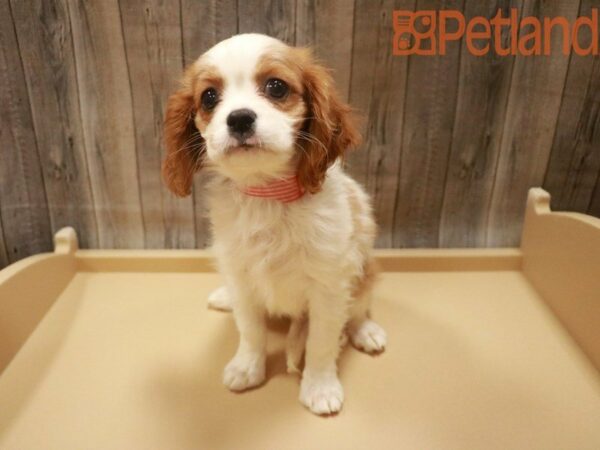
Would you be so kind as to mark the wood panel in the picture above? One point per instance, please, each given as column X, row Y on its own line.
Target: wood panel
column 153, row 44
column 594, row 208
column 328, row 28
column 451, row 143
column 273, row 17
column 46, row 47
column 3, row 253
column 108, row 125
column 203, row 25
column 206, row 23
column 575, row 156
column 23, row 205
column 427, row 133
column 480, row 113
column 377, row 92
column 537, row 86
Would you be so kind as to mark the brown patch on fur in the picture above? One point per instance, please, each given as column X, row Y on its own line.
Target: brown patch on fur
column 362, row 216
column 278, row 64
column 206, row 77
column 364, row 233
column 329, row 130
column 183, row 140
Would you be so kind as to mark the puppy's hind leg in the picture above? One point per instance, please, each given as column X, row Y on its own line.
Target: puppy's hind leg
column 220, row 299
column 365, row 334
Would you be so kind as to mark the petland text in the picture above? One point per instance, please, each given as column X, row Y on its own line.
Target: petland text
column 429, row 32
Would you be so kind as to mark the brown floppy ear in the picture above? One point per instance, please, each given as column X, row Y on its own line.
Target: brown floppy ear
column 329, row 130
column 185, row 145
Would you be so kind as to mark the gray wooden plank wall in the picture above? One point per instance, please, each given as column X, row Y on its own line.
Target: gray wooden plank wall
column 451, row 144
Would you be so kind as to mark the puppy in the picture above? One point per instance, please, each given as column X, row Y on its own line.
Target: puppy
column 292, row 232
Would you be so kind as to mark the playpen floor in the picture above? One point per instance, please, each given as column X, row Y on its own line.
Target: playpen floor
column 134, row 360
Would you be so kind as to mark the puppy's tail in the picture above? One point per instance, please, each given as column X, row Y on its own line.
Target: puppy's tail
column 295, row 344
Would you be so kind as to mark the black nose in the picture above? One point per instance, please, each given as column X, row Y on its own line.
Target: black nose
column 241, row 123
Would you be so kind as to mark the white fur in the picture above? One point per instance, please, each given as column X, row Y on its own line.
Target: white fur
column 293, row 259
column 301, row 259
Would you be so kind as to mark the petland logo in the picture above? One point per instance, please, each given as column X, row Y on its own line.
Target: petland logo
column 428, row 33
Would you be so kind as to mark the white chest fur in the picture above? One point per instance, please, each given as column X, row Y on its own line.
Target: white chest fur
column 280, row 250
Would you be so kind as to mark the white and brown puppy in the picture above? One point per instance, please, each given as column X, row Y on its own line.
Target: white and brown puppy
column 292, row 232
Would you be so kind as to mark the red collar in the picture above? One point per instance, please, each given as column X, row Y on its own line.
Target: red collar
column 286, row 190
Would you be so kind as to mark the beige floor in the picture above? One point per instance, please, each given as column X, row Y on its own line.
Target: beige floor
column 134, row 360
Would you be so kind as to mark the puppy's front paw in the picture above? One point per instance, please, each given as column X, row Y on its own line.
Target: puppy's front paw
column 322, row 394
column 244, row 371
column 369, row 337
column 220, row 299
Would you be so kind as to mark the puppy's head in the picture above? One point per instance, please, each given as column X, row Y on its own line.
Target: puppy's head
column 255, row 109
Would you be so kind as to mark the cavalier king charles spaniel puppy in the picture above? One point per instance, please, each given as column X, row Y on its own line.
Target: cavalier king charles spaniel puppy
column 292, row 232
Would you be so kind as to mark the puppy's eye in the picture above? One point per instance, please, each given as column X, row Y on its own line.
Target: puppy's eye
column 209, row 99
column 276, row 88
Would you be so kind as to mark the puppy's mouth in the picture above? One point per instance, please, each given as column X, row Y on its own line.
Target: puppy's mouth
column 247, row 145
